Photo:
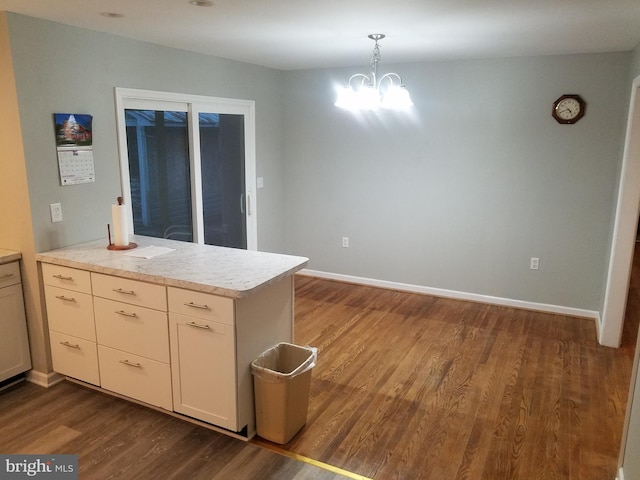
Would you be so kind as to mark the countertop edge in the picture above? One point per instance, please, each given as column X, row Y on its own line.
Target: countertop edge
column 167, row 281
column 8, row 256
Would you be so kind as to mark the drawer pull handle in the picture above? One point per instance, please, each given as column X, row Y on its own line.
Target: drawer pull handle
column 62, row 277
column 125, row 314
column 197, row 325
column 6, row 275
column 66, row 299
column 195, row 305
column 67, row 344
column 130, row 364
column 126, row 292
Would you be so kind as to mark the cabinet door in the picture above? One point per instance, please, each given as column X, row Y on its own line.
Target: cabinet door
column 203, row 370
column 14, row 344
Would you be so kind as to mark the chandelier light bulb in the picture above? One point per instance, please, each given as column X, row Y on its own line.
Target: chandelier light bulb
column 368, row 92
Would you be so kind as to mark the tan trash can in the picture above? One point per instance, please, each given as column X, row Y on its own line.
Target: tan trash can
column 281, row 379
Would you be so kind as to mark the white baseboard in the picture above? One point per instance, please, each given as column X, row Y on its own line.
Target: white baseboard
column 620, row 474
column 473, row 297
column 45, row 380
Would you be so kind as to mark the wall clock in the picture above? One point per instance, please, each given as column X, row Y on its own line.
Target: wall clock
column 568, row 109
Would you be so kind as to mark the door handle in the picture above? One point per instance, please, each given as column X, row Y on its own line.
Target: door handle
column 197, row 325
column 130, row 364
column 62, row 277
column 126, row 292
column 66, row 299
column 196, row 305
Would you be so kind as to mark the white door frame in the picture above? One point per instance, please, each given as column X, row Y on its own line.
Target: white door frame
column 624, row 230
column 192, row 104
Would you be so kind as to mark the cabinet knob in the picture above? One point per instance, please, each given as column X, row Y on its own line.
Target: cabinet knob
column 67, row 344
column 125, row 314
column 6, row 275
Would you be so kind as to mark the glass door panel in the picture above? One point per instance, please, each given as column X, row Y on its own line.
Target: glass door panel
column 222, row 160
column 188, row 166
column 159, row 173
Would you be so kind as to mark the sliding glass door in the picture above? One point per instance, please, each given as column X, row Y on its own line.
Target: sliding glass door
column 188, row 167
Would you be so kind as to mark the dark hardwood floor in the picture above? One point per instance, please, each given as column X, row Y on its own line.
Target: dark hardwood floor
column 407, row 386
column 117, row 439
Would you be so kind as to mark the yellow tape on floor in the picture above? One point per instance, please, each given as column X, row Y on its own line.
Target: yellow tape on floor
column 310, row 461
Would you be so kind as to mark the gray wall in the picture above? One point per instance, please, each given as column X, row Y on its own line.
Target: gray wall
column 458, row 196
column 461, row 194
column 70, row 70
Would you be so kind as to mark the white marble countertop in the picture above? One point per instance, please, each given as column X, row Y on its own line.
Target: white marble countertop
column 222, row 271
column 7, row 256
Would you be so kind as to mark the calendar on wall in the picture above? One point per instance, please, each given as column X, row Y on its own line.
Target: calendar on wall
column 74, row 144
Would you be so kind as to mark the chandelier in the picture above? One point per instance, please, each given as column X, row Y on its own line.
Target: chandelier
column 368, row 92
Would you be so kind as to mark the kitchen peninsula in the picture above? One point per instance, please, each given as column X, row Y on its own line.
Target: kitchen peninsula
column 171, row 324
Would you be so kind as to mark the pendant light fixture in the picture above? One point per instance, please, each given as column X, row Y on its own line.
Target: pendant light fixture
column 368, row 92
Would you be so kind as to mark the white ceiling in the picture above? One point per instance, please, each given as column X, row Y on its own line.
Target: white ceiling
column 297, row 34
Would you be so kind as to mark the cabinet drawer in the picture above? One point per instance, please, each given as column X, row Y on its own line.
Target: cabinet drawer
column 65, row 277
column 134, row 292
column 201, row 305
column 74, row 357
column 9, row 274
column 131, row 328
column 136, row 377
column 70, row 312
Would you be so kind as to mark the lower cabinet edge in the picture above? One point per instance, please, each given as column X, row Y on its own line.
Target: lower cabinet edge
column 244, row 434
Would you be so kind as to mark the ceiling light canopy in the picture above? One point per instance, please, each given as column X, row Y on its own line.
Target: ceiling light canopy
column 368, row 92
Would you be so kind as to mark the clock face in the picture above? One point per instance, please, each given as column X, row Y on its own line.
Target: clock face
column 568, row 109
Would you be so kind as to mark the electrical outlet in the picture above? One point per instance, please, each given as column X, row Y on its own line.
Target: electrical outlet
column 535, row 263
column 56, row 212
column 345, row 242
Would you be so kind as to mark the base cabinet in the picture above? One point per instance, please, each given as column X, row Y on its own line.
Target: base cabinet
column 203, row 370
column 14, row 342
column 178, row 349
column 72, row 331
column 137, row 377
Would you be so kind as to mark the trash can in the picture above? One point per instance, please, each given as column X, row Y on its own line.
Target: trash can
column 281, row 379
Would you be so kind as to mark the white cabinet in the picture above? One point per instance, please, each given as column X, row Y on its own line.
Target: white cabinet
column 133, row 338
column 72, row 331
column 179, row 349
column 213, row 342
column 14, row 342
column 203, row 357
